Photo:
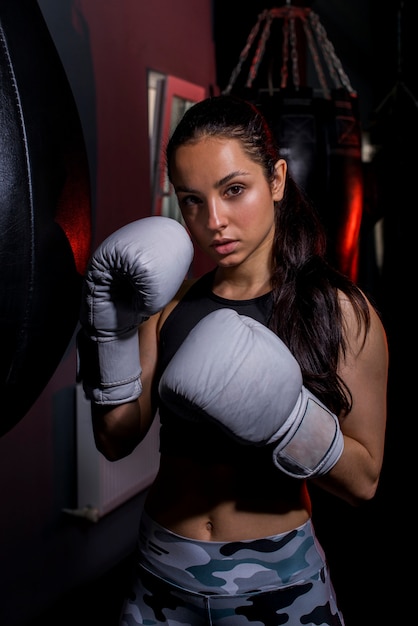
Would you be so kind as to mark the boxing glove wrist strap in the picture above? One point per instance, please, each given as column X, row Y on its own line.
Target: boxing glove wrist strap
column 109, row 367
column 314, row 445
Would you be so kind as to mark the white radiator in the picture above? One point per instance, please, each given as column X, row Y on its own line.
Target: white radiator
column 103, row 485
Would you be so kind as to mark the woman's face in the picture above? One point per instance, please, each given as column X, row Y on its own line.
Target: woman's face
column 225, row 199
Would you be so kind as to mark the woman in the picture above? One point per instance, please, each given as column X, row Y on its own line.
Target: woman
column 226, row 535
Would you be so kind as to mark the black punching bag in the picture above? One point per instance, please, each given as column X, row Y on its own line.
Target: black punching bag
column 313, row 111
column 321, row 141
column 45, row 223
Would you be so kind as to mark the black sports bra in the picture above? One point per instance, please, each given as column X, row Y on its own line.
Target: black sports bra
column 201, row 439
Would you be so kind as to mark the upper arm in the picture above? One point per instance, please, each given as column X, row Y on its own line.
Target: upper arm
column 365, row 372
column 118, row 429
column 364, row 369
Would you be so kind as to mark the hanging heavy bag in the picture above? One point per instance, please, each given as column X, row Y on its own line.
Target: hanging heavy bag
column 344, row 203
column 297, row 120
column 45, row 227
column 319, row 135
column 321, row 140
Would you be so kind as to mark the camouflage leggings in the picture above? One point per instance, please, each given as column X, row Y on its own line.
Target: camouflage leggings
column 283, row 579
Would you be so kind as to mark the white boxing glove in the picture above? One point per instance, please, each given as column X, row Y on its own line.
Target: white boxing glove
column 233, row 370
column 133, row 274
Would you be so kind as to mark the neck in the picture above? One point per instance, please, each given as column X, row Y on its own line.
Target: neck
column 239, row 285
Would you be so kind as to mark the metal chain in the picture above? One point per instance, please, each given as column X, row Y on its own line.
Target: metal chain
column 244, row 53
column 333, row 62
column 294, row 54
column 311, row 26
column 285, row 49
column 259, row 52
column 315, row 56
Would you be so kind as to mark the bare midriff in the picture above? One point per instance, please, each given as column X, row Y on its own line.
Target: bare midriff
column 220, row 502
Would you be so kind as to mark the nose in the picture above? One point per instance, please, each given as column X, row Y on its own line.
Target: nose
column 216, row 218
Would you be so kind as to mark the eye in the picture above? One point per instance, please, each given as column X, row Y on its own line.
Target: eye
column 188, row 201
column 234, row 190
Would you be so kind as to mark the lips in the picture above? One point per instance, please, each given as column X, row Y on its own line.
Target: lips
column 225, row 246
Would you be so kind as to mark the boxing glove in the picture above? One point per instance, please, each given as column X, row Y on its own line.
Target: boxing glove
column 133, row 274
column 233, row 370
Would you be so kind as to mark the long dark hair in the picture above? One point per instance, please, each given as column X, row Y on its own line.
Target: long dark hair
column 306, row 314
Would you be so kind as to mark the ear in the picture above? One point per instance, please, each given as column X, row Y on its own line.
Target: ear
column 279, row 181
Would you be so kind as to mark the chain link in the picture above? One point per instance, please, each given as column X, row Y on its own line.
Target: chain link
column 259, row 53
column 244, row 53
column 294, row 54
column 340, row 77
column 285, row 52
column 317, row 41
column 315, row 57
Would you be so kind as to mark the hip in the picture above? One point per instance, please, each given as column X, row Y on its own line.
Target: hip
column 231, row 567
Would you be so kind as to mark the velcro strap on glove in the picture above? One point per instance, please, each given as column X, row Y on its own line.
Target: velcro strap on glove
column 315, row 443
column 109, row 368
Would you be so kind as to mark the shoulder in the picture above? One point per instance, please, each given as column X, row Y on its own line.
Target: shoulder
column 364, row 334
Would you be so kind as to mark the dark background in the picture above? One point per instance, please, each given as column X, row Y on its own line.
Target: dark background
column 377, row 45
column 369, row 548
column 375, row 41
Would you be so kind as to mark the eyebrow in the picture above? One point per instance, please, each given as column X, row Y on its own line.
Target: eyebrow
column 219, row 183
column 230, row 176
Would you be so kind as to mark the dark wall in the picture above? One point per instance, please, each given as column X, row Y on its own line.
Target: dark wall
column 106, row 49
column 377, row 45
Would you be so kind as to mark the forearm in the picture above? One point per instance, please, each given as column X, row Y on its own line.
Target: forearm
column 118, row 429
column 305, row 437
column 356, row 475
column 130, row 278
